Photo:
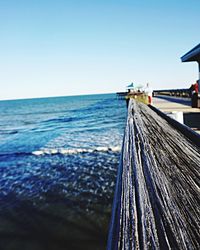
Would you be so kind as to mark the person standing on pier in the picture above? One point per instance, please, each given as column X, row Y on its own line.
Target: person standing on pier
column 194, row 94
column 196, row 87
column 148, row 91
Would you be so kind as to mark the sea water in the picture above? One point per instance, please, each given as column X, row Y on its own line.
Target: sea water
column 58, row 165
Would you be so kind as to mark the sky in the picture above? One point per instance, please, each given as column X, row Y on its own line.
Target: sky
column 73, row 47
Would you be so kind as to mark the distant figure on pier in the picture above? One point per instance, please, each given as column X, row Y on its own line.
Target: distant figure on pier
column 194, row 89
column 148, row 91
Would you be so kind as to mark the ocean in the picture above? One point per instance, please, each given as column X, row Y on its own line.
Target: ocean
column 58, row 164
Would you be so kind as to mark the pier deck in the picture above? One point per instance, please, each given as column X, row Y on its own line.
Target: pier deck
column 169, row 104
column 191, row 116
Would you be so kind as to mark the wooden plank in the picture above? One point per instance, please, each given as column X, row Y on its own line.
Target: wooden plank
column 157, row 198
column 169, row 104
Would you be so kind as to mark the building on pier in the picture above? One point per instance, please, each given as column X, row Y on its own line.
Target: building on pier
column 193, row 56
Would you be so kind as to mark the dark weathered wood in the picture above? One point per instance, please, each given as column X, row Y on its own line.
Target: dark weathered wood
column 157, row 198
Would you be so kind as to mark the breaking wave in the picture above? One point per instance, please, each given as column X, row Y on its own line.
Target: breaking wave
column 65, row 151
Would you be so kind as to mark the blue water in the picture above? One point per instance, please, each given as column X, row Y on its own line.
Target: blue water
column 58, row 163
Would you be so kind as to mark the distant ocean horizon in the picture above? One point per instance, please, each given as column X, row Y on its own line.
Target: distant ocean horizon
column 58, row 163
column 56, row 96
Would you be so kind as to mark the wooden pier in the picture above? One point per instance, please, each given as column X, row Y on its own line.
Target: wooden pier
column 168, row 104
column 121, row 95
column 157, row 197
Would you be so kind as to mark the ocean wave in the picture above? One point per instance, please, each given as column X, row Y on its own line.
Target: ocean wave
column 65, row 151
column 8, row 132
column 62, row 119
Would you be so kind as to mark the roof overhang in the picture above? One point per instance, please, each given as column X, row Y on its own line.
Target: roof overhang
column 192, row 55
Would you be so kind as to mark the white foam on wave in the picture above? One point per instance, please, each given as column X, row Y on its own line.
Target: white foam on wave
column 65, row 151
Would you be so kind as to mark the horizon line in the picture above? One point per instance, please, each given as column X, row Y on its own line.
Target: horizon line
column 42, row 97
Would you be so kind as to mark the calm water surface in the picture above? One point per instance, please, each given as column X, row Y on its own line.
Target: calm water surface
column 58, row 163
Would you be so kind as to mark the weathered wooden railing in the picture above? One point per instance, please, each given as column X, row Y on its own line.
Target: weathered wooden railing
column 173, row 92
column 157, row 197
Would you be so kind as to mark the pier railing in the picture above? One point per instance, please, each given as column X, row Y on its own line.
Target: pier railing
column 173, row 92
column 157, row 198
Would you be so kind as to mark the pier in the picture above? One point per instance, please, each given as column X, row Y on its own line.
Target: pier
column 157, row 197
column 172, row 105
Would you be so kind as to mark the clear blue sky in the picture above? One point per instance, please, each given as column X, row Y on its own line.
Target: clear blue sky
column 67, row 47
